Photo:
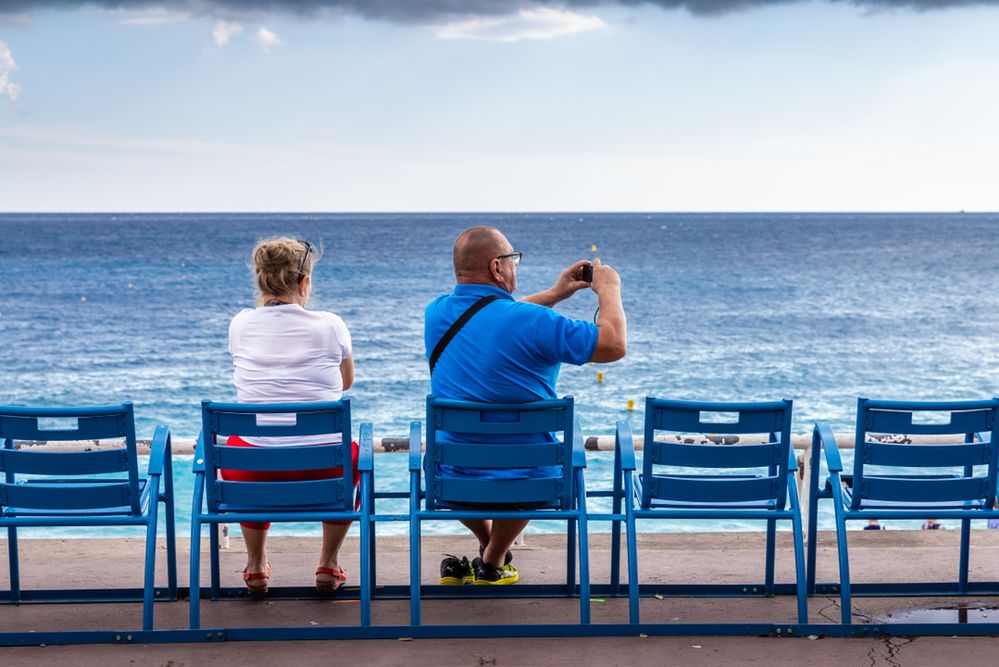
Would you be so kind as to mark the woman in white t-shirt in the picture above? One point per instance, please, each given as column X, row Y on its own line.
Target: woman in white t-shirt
column 283, row 353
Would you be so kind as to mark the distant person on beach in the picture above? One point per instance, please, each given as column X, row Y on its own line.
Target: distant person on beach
column 510, row 352
column 872, row 524
column 284, row 353
column 932, row 524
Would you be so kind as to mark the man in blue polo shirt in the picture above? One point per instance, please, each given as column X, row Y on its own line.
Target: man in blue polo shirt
column 510, row 352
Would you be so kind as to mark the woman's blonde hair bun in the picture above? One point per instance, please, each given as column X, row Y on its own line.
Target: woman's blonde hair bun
column 278, row 264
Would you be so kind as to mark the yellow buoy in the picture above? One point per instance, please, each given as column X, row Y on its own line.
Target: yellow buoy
column 593, row 248
column 631, row 404
column 600, row 376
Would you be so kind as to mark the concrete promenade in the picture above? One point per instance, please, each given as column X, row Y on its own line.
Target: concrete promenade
column 666, row 558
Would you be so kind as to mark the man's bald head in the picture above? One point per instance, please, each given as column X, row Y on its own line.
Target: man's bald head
column 475, row 248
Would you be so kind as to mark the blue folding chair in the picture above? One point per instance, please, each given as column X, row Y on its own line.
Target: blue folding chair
column 884, row 486
column 250, row 502
column 674, row 485
column 527, row 432
column 55, row 489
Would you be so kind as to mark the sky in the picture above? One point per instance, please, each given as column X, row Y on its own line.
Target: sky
column 506, row 105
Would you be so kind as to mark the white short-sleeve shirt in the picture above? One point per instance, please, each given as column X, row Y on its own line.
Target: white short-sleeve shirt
column 287, row 354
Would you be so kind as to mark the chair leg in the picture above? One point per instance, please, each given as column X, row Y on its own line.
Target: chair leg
column 171, row 531
column 149, row 579
column 213, row 559
column 584, row 570
column 615, row 564
column 365, row 578
column 414, row 570
column 570, row 560
column 633, row 584
column 372, row 562
column 15, row 571
column 768, row 583
column 813, row 531
column 195, row 576
column 965, row 551
column 844, row 572
column 799, row 567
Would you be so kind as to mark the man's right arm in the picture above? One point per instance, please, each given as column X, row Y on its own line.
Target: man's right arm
column 612, row 339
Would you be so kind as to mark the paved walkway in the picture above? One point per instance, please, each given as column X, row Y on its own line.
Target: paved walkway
column 666, row 558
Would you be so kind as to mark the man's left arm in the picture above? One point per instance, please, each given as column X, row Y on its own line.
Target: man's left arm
column 568, row 283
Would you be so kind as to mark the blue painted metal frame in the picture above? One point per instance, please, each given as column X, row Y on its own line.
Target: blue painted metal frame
column 47, row 489
column 483, row 630
column 701, row 496
column 320, row 500
column 882, row 495
column 564, row 499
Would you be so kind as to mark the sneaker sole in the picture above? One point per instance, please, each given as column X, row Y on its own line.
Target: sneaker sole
column 498, row 582
column 504, row 581
column 455, row 581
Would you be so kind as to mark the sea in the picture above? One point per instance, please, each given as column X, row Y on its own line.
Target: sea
column 819, row 308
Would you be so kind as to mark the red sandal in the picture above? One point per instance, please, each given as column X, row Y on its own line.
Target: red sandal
column 257, row 590
column 328, row 579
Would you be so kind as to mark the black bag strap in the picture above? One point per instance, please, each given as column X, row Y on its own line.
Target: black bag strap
column 456, row 327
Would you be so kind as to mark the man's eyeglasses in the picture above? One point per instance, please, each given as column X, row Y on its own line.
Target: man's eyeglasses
column 305, row 257
column 514, row 257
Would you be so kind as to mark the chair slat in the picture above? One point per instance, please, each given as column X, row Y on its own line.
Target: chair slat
column 98, row 427
column 707, row 490
column 712, row 456
column 316, row 423
column 494, row 455
column 332, row 492
column 685, row 420
column 926, row 456
column 63, row 463
column 489, row 422
column 310, row 457
column 499, row 491
column 65, row 496
column 901, row 421
column 928, row 490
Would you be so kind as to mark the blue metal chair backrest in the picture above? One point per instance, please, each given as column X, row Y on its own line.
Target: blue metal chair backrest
column 964, row 418
column 518, row 435
column 772, row 419
column 303, row 419
column 98, row 423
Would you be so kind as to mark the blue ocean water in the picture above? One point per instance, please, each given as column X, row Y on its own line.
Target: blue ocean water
column 821, row 308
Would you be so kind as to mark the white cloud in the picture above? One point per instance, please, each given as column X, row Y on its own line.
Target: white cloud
column 157, row 16
column 266, row 39
column 541, row 23
column 7, row 65
column 225, row 31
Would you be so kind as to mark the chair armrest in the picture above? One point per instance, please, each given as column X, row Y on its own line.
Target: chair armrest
column 415, row 442
column 624, row 442
column 159, row 450
column 792, row 460
column 824, row 437
column 366, row 448
column 199, row 455
column 578, row 448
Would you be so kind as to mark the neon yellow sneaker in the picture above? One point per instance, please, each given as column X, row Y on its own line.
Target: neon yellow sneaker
column 487, row 574
column 455, row 571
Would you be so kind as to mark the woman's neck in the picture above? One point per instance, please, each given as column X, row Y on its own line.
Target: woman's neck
column 272, row 300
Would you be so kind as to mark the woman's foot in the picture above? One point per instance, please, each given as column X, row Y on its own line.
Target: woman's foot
column 256, row 582
column 328, row 579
